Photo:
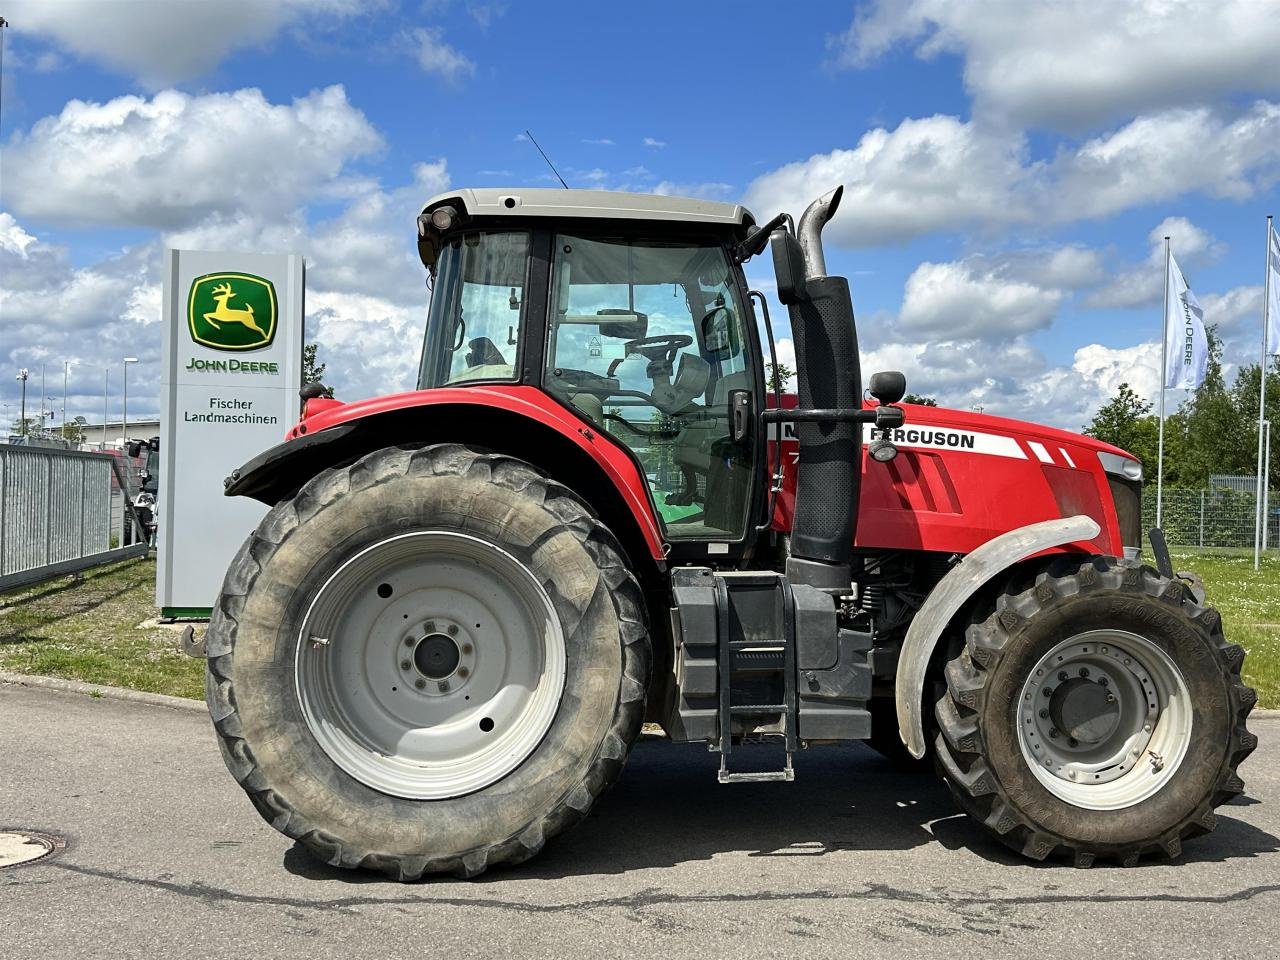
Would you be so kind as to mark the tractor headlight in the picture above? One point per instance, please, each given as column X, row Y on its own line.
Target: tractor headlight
column 442, row 218
column 1120, row 466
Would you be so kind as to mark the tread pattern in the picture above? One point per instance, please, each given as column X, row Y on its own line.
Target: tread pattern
column 381, row 466
column 959, row 743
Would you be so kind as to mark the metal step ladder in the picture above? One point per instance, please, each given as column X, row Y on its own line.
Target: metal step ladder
column 738, row 658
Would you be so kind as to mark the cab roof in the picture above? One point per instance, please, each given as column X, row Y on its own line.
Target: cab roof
column 593, row 204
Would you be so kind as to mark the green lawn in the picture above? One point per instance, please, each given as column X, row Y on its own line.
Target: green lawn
column 1250, row 607
column 93, row 628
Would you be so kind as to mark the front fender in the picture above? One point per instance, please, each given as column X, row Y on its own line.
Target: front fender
column 953, row 592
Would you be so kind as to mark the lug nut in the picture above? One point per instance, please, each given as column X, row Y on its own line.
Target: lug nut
column 1111, row 698
column 404, row 664
column 466, row 648
column 1048, row 691
column 453, row 629
column 408, row 641
column 1073, row 742
column 1044, row 714
column 1104, row 681
column 429, row 626
column 463, row 672
column 1062, row 675
column 1084, row 671
column 1053, row 733
column 420, row 684
column 444, row 686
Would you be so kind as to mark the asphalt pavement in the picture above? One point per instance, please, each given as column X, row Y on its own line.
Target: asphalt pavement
column 165, row 858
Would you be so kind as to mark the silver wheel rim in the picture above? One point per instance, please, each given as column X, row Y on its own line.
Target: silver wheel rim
column 430, row 665
column 1104, row 719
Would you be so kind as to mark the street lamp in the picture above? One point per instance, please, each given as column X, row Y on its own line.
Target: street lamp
column 124, row 415
column 102, row 440
column 22, row 378
column 66, row 368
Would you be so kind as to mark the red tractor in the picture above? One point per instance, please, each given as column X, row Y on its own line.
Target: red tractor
column 436, row 650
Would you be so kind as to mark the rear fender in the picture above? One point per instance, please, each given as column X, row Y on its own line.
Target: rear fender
column 953, row 592
column 520, row 421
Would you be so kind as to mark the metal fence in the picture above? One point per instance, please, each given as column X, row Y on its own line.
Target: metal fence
column 1221, row 516
column 56, row 514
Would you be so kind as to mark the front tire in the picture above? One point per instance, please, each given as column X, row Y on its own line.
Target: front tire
column 1098, row 713
column 431, row 660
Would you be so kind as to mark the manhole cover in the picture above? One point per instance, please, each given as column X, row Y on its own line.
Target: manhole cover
column 25, row 846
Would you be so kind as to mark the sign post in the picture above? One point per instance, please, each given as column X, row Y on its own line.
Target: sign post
column 233, row 366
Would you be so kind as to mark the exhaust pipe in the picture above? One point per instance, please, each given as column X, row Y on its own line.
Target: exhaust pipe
column 828, row 477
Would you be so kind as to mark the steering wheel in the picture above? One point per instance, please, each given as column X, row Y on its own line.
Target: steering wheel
column 660, row 349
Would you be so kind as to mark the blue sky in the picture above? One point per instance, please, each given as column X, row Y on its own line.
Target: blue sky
column 1009, row 167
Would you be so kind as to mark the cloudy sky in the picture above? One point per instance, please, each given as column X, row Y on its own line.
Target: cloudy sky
column 1010, row 168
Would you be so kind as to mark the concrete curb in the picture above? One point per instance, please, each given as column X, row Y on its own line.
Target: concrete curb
column 98, row 690
column 182, row 703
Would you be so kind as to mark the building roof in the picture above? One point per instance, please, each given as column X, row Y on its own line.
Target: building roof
column 597, row 204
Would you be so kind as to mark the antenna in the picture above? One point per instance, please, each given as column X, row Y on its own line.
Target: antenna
column 546, row 158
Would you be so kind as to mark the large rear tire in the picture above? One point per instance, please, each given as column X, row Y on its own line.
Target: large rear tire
column 431, row 660
column 1098, row 713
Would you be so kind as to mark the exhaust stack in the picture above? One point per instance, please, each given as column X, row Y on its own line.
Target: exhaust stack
column 828, row 474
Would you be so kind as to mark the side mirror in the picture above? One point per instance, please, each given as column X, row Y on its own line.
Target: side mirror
column 888, row 386
column 788, row 267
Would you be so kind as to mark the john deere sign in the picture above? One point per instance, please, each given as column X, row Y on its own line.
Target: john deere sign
column 232, row 311
column 233, row 365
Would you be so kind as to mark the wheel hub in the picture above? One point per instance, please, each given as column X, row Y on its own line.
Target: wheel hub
column 1093, row 707
column 442, row 669
column 1084, row 710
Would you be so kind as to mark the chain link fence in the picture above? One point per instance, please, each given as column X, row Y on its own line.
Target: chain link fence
column 1220, row 516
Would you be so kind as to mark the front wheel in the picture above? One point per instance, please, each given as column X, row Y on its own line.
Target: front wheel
column 430, row 660
column 1098, row 713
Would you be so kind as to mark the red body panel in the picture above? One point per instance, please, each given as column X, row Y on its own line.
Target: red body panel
column 523, row 401
column 962, row 478
column 959, row 480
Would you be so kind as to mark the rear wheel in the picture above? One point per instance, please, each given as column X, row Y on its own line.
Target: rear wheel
column 431, row 660
column 1098, row 713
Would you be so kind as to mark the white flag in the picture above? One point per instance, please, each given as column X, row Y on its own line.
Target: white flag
column 1273, row 306
column 1187, row 354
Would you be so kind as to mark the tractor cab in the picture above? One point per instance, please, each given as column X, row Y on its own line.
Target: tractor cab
column 629, row 310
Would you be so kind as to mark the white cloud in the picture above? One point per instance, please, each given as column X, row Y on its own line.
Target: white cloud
column 654, row 142
column 436, row 56
column 601, row 142
column 1161, row 156
column 175, row 159
column 166, row 41
column 710, row 190
column 1075, row 63
column 1143, row 285
column 941, row 173
column 969, row 299
column 926, row 175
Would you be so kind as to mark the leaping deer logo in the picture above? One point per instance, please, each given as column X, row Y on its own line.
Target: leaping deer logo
column 224, row 314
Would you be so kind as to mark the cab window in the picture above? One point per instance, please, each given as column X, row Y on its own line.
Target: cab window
column 646, row 340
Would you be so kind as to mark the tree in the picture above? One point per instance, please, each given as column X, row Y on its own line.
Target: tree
column 1126, row 421
column 311, row 371
column 32, row 426
column 779, row 375
column 919, row 398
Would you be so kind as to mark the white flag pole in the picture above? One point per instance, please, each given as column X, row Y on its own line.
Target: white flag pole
column 1164, row 366
column 1259, row 514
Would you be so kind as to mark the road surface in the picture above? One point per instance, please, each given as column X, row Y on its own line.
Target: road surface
column 165, row 857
